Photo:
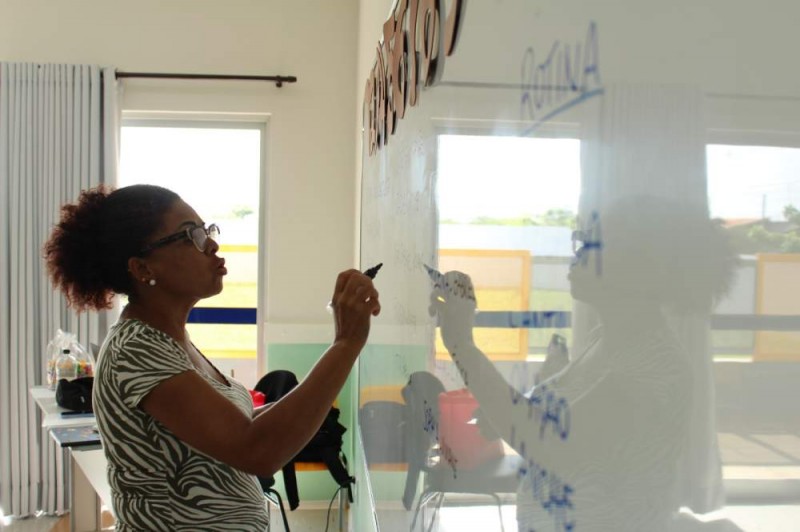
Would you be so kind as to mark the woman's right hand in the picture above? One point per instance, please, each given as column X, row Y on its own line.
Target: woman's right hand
column 354, row 301
column 453, row 303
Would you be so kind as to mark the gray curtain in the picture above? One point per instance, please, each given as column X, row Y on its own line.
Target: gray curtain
column 58, row 135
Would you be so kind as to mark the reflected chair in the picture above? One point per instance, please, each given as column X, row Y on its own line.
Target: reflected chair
column 381, row 419
column 441, row 474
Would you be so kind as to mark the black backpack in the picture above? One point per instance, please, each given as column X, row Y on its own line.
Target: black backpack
column 75, row 395
column 325, row 446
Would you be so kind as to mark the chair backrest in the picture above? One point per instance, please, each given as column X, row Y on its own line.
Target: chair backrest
column 383, row 429
column 421, row 395
column 382, row 423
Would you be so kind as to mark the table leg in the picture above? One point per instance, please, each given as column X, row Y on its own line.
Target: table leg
column 85, row 507
column 342, row 507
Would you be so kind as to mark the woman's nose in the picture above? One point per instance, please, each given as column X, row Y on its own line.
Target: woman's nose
column 211, row 246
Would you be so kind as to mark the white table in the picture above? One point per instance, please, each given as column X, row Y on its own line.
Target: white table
column 45, row 398
column 89, row 487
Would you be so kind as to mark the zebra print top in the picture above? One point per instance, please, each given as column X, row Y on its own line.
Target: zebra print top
column 157, row 481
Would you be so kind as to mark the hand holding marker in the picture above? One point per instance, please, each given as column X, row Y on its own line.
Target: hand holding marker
column 372, row 272
column 441, row 284
column 369, row 272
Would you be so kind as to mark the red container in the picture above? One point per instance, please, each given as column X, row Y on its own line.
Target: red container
column 258, row 398
column 461, row 440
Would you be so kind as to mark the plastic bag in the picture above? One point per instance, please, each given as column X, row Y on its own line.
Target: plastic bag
column 83, row 359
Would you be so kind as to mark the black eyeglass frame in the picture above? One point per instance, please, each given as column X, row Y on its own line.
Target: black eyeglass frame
column 587, row 239
column 579, row 239
column 183, row 234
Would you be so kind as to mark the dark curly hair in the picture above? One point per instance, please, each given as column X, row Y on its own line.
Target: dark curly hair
column 87, row 252
column 671, row 250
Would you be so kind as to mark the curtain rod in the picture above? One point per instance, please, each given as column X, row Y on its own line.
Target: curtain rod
column 279, row 80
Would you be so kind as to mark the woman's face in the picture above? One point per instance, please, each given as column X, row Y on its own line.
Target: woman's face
column 586, row 269
column 587, row 283
column 651, row 251
column 179, row 268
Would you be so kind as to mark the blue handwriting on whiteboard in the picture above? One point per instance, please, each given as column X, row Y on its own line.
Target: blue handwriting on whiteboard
column 561, row 79
column 553, row 411
column 430, row 422
column 432, row 427
column 547, row 488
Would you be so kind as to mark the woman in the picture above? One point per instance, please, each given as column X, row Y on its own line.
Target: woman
column 601, row 438
column 183, row 442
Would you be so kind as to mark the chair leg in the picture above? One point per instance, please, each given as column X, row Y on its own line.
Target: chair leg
column 271, row 492
column 499, row 510
column 342, row 497
column 436, row 509
column 416, row 513
column 424, row 497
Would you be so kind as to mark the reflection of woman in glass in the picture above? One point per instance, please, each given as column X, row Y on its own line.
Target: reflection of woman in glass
column 601, row 438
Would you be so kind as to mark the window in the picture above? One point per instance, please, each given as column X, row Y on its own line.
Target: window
column 752, row 182
column 755, row 192
column 216, row 167
column 512, row 193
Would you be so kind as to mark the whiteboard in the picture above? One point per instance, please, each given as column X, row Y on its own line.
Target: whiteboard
column 639, row 404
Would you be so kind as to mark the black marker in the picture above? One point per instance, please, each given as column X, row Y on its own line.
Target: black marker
column 369, row 272
column 435, row 275
column 438, row 282
column 372, row 272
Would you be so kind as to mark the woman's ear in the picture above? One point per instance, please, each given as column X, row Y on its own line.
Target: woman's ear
column 139, row 269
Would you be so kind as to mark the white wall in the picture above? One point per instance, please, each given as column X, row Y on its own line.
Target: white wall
column 311, row 167
column 371, row 16
column 737, row 53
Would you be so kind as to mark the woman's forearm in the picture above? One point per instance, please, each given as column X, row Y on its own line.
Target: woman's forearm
column 517, row 419
column 288, row 424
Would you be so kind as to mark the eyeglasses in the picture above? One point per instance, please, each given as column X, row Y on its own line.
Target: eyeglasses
column 579, row 239
column 197, row 234
column 588, row 238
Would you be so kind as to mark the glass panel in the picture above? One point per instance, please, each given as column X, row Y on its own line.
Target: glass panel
column 755, row 190
column 655, row 388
